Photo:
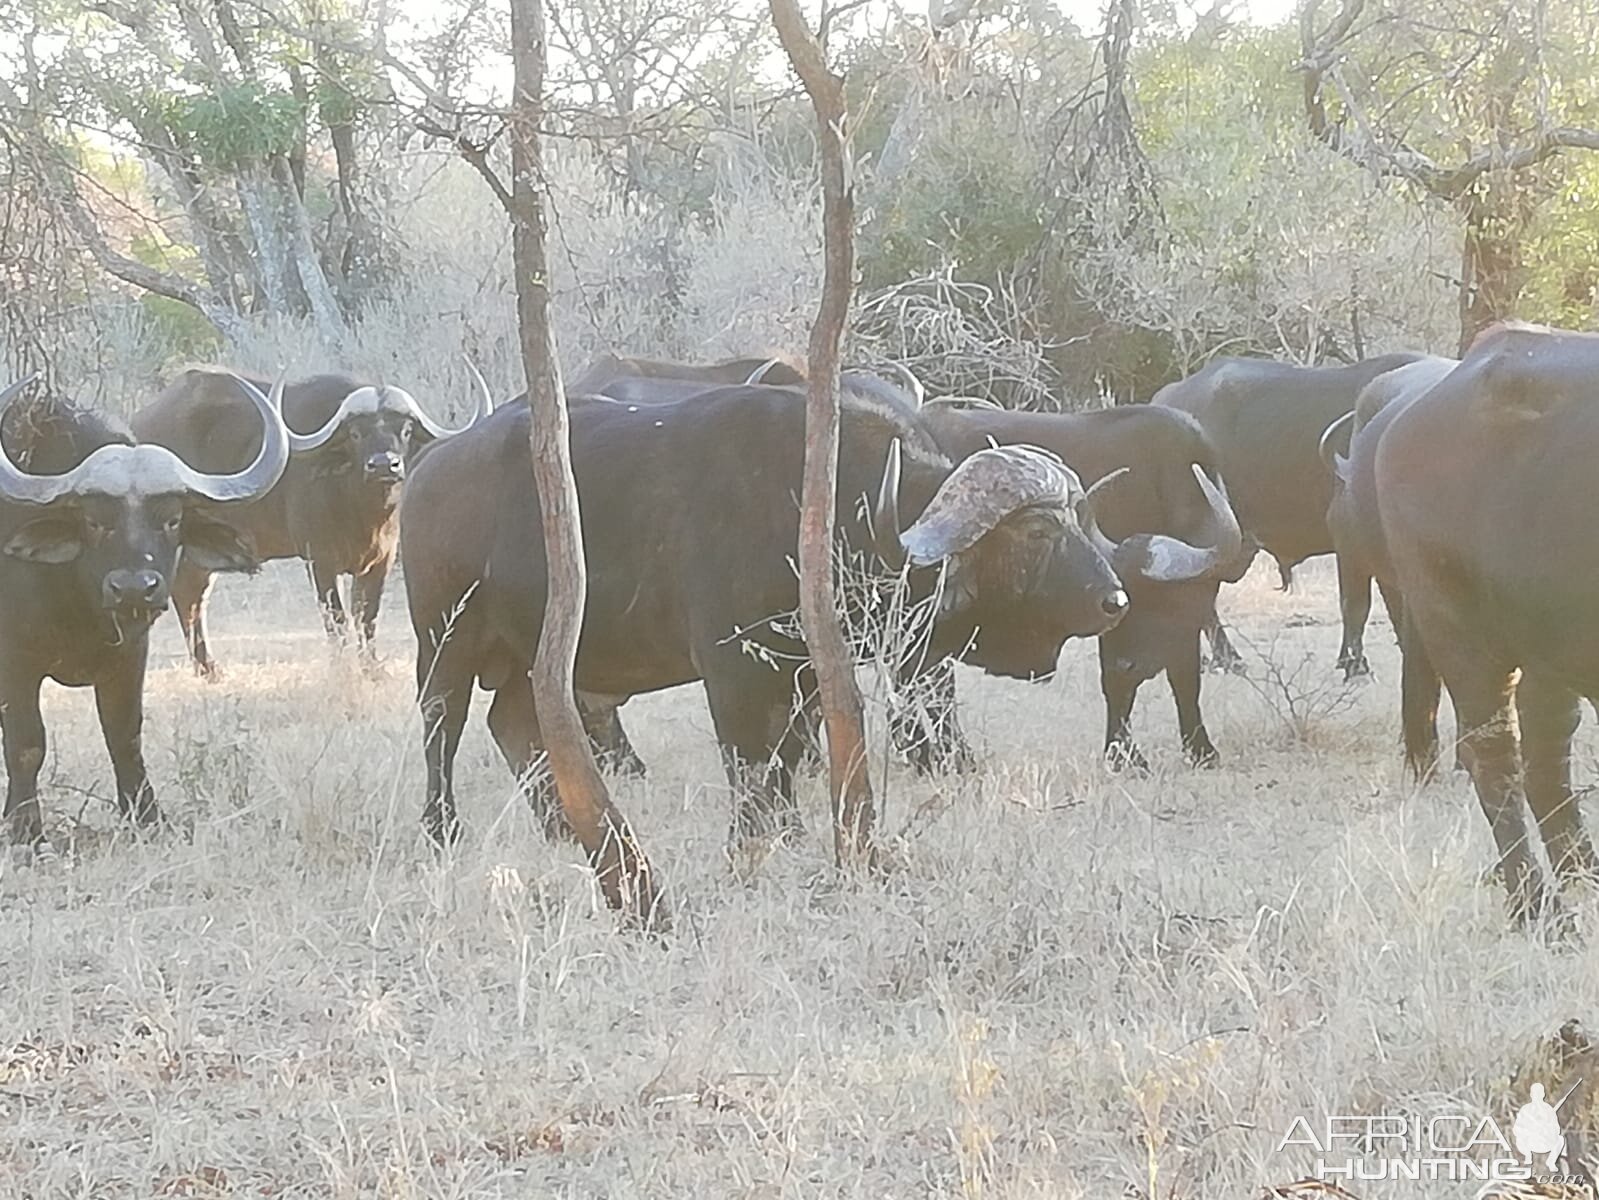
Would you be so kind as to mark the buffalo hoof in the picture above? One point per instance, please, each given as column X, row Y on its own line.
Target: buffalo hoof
column 1124, row 756
column 1202, row 751
column 623, row 766
column 928, row 758
column 1354, row 667
column 1231, row 663
column 443, row 832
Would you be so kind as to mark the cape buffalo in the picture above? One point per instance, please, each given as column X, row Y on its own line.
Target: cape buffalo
column 336, row 505
column 92, row 529
column 1178, row 541
column 1352, row 516
column 1266, row 419
column 1486, row 489
column 690, row 522
column 643, row 381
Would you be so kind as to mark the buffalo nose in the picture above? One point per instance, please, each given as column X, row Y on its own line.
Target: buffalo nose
column 1115, row 604
column 135, row 589
column 387, row 465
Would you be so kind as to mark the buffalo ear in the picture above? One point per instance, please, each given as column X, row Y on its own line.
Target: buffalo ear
column 47, row 540
column 214, row 545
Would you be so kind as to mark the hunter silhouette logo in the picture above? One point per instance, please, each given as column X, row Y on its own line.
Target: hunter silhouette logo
column 1536, row 1129
column 1438, row 1146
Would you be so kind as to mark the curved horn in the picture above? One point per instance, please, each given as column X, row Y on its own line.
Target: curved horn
column 912, row 384
column 370, row 399
column 270, row 462
column 1089, row 518
column 485, row 398
column 16, row 484
column 1165, row 559
column 1337, row 463
column 981, row 492
column 759, row 373
column 125, row 470
column 885, row 513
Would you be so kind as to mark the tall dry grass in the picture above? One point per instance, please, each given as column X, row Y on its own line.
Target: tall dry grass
column 1075, row 984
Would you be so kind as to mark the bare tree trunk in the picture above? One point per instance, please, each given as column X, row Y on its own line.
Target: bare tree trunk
column 842, row 708
column 624, row 873
column 302, row 253
column 1491, row 274
column 260, row 209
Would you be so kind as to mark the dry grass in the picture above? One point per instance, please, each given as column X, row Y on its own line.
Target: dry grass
column 1075, row 984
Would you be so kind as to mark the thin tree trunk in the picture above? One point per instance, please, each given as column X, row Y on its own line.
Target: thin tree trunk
column 260, row 209
column 302, row 253
column 624, row 873
column 842, row 709
column 1491, row 266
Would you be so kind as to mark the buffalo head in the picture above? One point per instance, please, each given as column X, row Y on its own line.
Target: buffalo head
column 370, row 437
column 1015, row 532
column 120, row 517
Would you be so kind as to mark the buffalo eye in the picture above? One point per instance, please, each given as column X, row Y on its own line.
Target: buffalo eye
column 173, row 525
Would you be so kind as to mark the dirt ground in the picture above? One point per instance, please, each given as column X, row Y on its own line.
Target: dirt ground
column 1075, row 983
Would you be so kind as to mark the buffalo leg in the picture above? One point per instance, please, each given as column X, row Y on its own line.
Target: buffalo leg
column 1183, row 676
column 1549, row 716
column 614, row 749
column 22, row 728
column 444, row 694
column 514, row 723
column 366, row 597
column 760, row 748
column 1224, row 655
column 119, row 700
column 1120, row 689
column 1419, row 690
column 924, row 723
column 325, row 581
column 1354, row 603
column 191, row 589
column 1484, row 694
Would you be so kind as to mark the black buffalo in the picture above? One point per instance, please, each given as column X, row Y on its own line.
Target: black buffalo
column 1353, row 520
column 690, row 522
column 337, row 505
column 1176, row 541
column 1266, row 419
column 1486, row 490
column 93, row 526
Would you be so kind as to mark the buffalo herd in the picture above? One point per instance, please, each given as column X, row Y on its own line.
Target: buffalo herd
column 1462, row 488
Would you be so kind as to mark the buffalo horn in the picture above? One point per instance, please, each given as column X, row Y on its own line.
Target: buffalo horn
column 912, row 384
column 1337, row 463
column 981, row 492
column 485, row 398
column 1090, row 513
column 369, row 400
column 1161, row 558
column 885, row 514
column 759, row 373
column 120, row 470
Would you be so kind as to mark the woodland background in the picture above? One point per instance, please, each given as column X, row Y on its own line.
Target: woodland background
column 1050, row 214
